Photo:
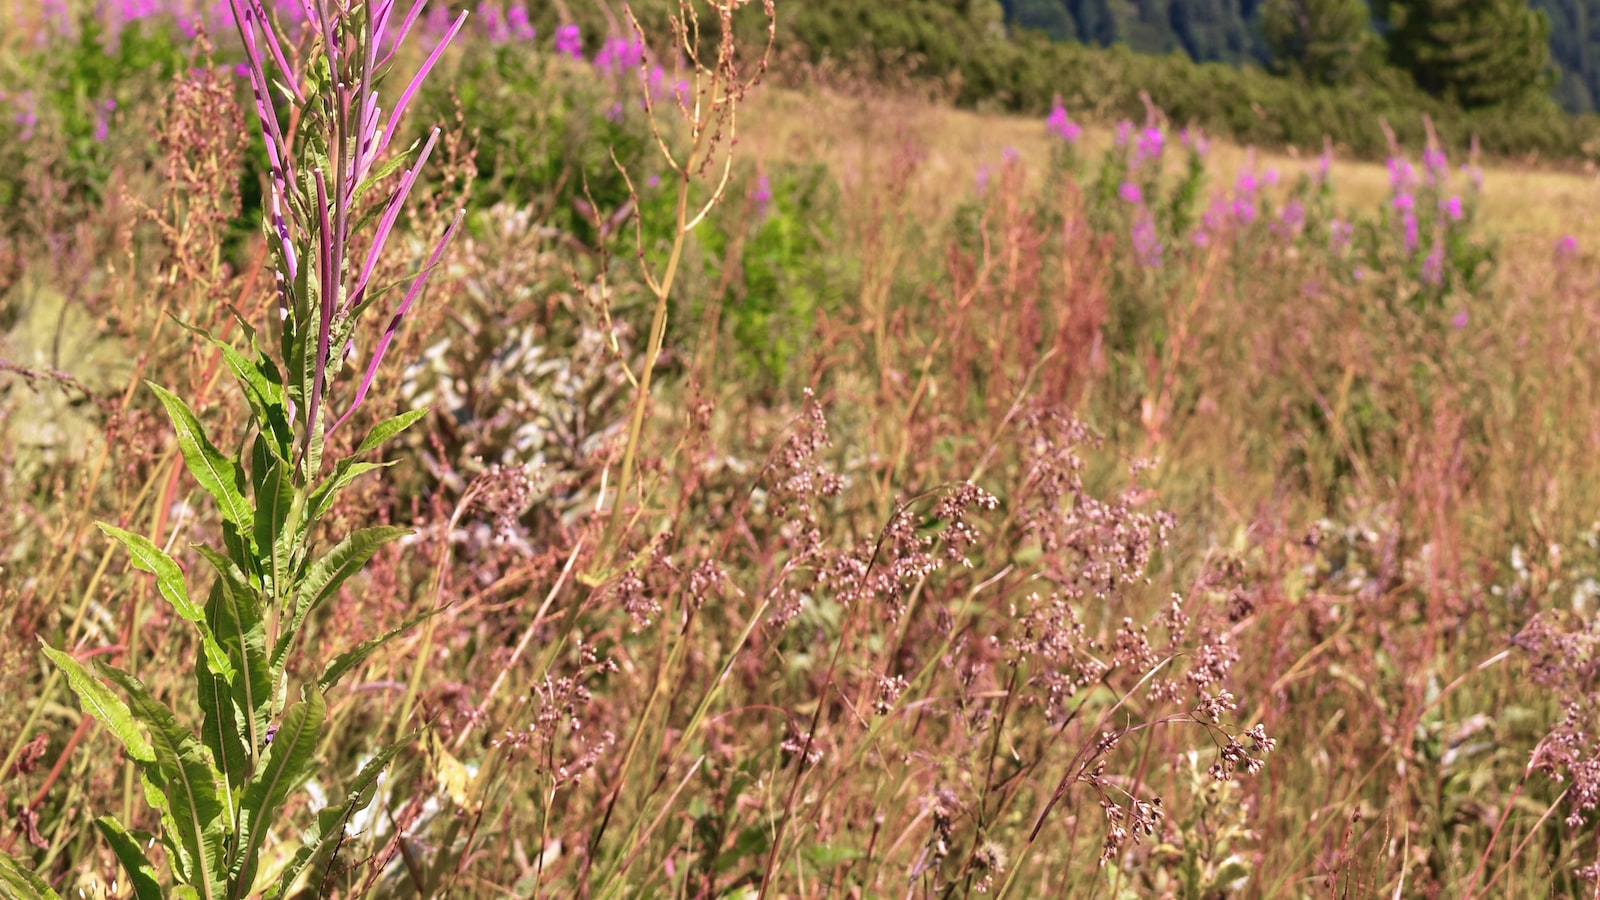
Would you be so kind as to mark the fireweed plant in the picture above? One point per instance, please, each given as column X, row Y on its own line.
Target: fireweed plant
column 333, row 201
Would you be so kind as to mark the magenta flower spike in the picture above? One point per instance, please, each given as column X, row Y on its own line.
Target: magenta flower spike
column 318, row 181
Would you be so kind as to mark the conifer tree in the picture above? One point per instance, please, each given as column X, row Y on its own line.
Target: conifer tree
column 1324, row 40
column 1473, row 52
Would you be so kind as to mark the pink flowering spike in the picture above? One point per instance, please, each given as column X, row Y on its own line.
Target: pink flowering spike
column 326, row 263
column 405, row 28
column 386, row 223
column 416, row 82
column 417, row 285
column 378, row 14
column 273, row 46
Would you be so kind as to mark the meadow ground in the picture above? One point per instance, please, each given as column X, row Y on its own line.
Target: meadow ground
column 962, row 505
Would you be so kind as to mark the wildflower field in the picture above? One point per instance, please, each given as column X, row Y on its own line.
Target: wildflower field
column 565, row 450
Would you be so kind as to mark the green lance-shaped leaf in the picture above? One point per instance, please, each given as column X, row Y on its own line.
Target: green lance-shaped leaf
column 344, row 662
column 98, row 701
column 221, row 476
column 141, row 872
column 189, row 781
column 19, row 881
column 388, row 428
column 147, row 557
column 284, row 765
column 378, row 175
column 328, row 830
column 222, row 727
column 235, row 613
column 346, row 471
column 263, row 388
column 274, row 508
column 324, row 576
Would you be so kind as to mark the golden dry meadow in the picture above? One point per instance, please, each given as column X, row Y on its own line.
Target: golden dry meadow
column 568, row 466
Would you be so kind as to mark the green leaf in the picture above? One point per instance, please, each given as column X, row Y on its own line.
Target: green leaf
column 147, row 557
column 221, row 724
column 219, row 475
column 141, row 873
column 263, row 388
column 324, row 576
column 189, row 781
column 284, row 765
column 383, row 171
column 344, row 662
column 20, row 882
column 346, row 471
column 274, row 501
column 235, row 614
column 328, row 830
column 388, row 428
column 98, row 701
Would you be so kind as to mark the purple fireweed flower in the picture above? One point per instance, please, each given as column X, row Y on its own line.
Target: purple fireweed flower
column 1408, row 222
column 27, row 115
column 1476, row 174
column 1451, row 207
column 1200, row 238
column 1270, row 179
column 517, row 21
column 102, row 123
column 1060, row 124
column 1292, row 217
column 1402, row 175
column 1149, row 146
column 1433, row 266
column 437, row 21
column 1244, row 211
column 1436, row 165
column 761, row 196
column 1245, row 185
column 1566, row 248
column 613, row 113
column 1124, row 131
column 1195, row 140
column 1339, row 234
column 569, row 42
column 1460, row 319
column 1010, row 154
column 981, row 179
column 618, row 55
column 55, row 17
column 493, row 23
column 653, row 181
column 1404, row 202
column 1324, row 165
column 1146, row 243
column 321, row 238
column 1130, row 193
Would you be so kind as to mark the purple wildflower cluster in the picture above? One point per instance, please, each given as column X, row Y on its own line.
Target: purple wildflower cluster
column 1424, row 207
column 1422, row 213
column 1061, row 125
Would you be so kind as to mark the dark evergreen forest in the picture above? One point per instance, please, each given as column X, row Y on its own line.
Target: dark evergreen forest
column 1239, row 31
